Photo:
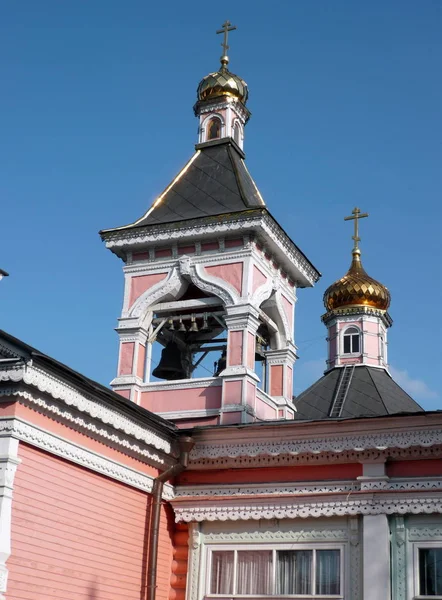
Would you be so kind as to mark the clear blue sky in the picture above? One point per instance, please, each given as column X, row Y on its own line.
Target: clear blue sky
column 96, row 119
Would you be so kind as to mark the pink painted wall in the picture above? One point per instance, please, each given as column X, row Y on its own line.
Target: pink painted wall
column 124, row 393
column 229, row 418
column 276, row 380
column 182, row 400
column 186, row 250
column 141, row 360
column 232, row 392
column 264, row 411
column 126, row 358
column 206, row 246
column 258, row 279
column 140, row 256
column 333, row 342
column 235, row 243
column 164, row 253
column 235, row 347
column 289, row 382
column 231, row 273
column 251, row 394
column 251, row 351
column 77, row 535
column 141, row 283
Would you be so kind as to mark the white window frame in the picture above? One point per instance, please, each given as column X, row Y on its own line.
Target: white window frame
column 358, row 333
column 415, row 569
column 342, row 547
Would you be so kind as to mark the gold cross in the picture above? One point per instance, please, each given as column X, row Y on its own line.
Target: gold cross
column 356, row 212
column 226, row 27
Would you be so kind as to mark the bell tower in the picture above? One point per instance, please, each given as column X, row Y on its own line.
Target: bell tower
column 207, row 325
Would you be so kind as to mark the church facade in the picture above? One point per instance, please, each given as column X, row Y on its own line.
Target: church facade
column 199, row 475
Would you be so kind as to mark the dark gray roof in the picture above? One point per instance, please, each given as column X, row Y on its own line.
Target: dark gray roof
column 216, row 182
column 371, row 392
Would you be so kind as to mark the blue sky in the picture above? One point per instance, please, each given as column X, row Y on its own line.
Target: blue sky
column 96, row 119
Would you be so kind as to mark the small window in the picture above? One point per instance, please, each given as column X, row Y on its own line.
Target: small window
column 430, row 572
column 351, row 341
column 236, row 133
column 214, row 129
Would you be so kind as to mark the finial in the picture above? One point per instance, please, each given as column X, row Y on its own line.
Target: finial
column 226, row 27
column 356, row 212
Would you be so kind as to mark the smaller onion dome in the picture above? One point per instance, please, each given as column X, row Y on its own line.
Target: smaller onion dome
column 356, row 288
column 222, row 83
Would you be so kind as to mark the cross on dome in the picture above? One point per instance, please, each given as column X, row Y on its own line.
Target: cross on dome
column 356, row 212
column 226, row 27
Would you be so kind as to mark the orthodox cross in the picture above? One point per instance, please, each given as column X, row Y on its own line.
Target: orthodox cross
column 226, row 27
column 356, row 212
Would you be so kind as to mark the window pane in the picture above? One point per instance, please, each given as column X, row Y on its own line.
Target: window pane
column 347, row 344
column 355, row 343
column 254, row 574
column 328, row 572
column 294, row 571
column 430, row 571
column 221, row 577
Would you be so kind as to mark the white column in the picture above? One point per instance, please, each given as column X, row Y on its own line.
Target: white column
column 8, row 465
column 376, row 557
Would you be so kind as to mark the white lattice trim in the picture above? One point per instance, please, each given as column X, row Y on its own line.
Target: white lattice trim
column 269, row 535
column 316, row 445
column 87, row 425
column 314, row 507
column 54, row 444
column 62, row 391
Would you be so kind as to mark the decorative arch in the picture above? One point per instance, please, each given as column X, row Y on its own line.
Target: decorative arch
column 237, row 132
column 274, row 308
column 212, row 118
column 170, row 288
column 207, row 283
column 351, row 339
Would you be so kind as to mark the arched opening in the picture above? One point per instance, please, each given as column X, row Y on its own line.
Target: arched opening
column 351, row 341
column 214, row 129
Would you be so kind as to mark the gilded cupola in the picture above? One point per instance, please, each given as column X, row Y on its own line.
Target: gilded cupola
column 356, row 288
column 223, row 82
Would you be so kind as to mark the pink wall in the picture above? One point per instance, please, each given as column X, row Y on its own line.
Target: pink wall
column 234, row 351
column 141, row 360
column 289, row 382
column 251, row 351
column 205, row 246
column 126, row 358
column 232, row 392
column 264, row 411
column 276, row 381
column 164, row 253
column 235, row 243
column 77, row 535
column 182, row 400
column 231, row 273
column 141, row 283
column 259, row 278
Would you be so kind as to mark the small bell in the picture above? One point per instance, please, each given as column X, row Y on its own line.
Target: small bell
column 182, row 327
column 205, row 326
column 259, row 349
column 194, row 325
column 171, row 325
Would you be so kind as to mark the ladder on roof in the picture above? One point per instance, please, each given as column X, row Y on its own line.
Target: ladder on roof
column 342, row 391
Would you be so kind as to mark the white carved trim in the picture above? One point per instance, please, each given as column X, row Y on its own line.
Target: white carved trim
column 326, row 443
column 291, row 508
column 87, row 425
column 62, row 391
column 181, row 384
column 8, row 465
column 173, row 285
column 72, row 452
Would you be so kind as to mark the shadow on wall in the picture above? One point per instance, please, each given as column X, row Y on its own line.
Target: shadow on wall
column 92, row 593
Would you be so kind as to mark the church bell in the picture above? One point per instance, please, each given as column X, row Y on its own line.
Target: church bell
column 170, row 366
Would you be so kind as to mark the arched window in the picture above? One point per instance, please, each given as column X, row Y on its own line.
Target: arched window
column 351, row 341
column 214, row 129
column 237, row 133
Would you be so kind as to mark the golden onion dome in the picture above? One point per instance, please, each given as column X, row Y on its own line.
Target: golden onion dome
column 222, row 83
column 356, row 288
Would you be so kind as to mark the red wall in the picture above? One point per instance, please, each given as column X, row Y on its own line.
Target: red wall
column 77, row 535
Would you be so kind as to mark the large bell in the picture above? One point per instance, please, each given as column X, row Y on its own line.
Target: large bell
column 170, row 366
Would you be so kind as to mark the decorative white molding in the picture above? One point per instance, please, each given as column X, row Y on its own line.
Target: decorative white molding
column 318, row 487
column 8, row 465
column 293, row 261
column 314, row 507
column 180, row 384
column 326, row 443
column 54, row 444
column 62, row 391
column 172, row 286
column 419, row 534
column 280, row 535
column 87, row 425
